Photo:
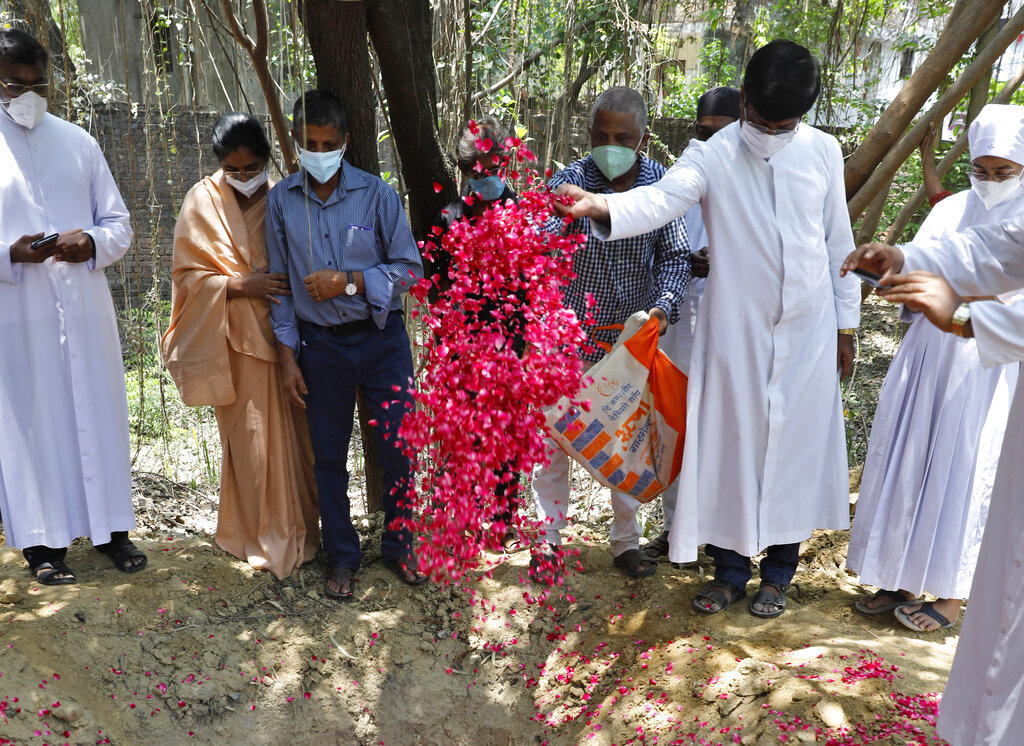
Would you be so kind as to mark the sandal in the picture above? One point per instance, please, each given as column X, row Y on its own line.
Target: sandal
column 403, row 567
column 896, row 600
column 547, row 564
column 124, row 555
column 657, row 548
column 631, row 560
column 46, row 573
column 711, row 596
column 511, row 543
column 343, row 576
column 928, row 609
column 765, row 596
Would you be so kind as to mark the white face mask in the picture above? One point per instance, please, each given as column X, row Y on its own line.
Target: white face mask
column 28, row 109
column 250, row 187
column 321, row 166
column 994, row 193
column 763, row 145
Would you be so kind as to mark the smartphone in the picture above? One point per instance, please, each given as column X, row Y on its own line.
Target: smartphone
column 44, row 241
column 870, row 278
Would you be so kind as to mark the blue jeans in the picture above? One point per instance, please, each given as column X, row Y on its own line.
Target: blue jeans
column 777, row 568
column 332, row 367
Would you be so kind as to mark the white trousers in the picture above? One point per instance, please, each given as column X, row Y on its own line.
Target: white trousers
column 550, row 488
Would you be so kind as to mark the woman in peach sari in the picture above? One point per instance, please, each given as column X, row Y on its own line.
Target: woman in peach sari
column 220, row 351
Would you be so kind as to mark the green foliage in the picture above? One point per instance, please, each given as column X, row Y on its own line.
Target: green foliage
column 681, row 95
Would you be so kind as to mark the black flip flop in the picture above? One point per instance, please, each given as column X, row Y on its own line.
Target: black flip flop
column 657, row 548
column 631, row 559
column 46, row 573
column 341, row 576
column 398, row 567
column 765, row 596
column 712, row 594
column 124, row 555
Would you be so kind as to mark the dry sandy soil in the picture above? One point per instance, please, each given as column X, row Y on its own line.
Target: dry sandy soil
column 202, row 649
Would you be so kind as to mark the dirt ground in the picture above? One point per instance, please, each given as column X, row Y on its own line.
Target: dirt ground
column 200, row 648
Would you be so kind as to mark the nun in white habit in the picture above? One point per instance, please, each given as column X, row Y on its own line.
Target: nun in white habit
column 939, row 425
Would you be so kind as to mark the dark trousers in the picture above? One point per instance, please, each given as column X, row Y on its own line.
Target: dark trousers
column 333, row 366
column 40, row 555
column 777, row 568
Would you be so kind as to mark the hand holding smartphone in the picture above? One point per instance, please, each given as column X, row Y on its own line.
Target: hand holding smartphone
column 41, row 243
column 870, row 278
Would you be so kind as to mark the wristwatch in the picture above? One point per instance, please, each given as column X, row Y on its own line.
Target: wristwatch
column 350, row 289
column 961, row 319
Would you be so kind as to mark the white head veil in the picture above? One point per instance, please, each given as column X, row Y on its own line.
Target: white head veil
column 998, row 130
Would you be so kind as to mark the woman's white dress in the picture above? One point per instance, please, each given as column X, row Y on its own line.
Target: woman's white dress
column 934, row 446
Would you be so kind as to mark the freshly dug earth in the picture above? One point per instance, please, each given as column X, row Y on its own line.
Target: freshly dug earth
column 199, row 648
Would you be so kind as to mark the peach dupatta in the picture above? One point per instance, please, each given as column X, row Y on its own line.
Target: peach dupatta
column 222, row 352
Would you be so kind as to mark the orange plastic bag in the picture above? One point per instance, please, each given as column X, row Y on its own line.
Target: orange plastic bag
column 632, row 437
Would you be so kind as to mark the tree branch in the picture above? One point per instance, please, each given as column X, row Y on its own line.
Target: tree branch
column 533, row 57
column 951, row 157
column 910, row 140
column 237, row 29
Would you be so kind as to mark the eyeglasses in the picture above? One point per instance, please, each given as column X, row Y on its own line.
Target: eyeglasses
column 17, row 89
column 787, row 130
column 244, row 175
column 982, row 175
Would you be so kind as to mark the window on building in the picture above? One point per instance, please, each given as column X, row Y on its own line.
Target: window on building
column 907, row 63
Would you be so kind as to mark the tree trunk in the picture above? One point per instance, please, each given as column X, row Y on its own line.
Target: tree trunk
column 910, row 140
column 949, row 48
column 915, row 202
column 337, row 38
column 400, row 30
column 873, row 216
column 979, row 93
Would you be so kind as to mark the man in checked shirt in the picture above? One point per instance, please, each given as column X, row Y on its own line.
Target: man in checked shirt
column 644, row 273
column 342, row 237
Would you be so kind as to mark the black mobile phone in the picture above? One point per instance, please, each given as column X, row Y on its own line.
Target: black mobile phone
column 869, row 277
column 44, row 241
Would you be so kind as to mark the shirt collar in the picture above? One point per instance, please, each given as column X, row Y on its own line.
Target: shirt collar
column 596, row 181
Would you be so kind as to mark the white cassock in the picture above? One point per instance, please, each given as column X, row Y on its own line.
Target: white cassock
column 677, row 342
column 934, row 445
column 765, row 455
column 983, row 704
column 65, row 466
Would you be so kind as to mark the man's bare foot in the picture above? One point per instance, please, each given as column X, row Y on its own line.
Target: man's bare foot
column 947, row 607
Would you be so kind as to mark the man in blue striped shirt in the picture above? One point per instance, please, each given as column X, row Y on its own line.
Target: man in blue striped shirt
column 342, row 237
column 649, row 273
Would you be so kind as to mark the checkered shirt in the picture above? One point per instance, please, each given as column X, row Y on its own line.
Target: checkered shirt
column 625, row 276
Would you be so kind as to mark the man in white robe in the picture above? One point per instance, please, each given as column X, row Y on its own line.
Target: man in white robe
column 716, row 109
column 765, row 452
column 983, row 704
column 64, row 453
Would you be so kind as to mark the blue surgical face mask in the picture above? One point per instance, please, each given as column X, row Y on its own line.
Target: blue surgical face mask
column 321, row 166
column 489, row 188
